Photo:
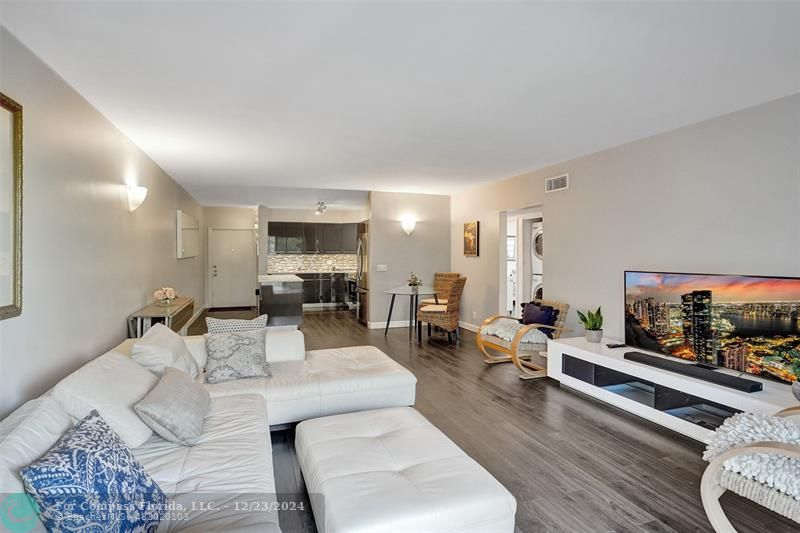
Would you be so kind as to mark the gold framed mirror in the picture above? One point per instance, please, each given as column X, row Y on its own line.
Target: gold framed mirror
column 10, row 208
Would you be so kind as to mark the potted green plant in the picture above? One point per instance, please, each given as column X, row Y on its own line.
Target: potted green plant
column 593, row 322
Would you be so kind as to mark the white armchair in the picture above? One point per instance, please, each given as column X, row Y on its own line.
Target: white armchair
column 717, row 480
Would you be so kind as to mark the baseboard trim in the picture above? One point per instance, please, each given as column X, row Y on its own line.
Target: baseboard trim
column 392, row 324
column 468, row 326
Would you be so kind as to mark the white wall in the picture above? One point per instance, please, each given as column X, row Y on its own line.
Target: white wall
column 484, row 273
column 719, row 196
column 87, row 261
column 424, row 252
column 230, row 217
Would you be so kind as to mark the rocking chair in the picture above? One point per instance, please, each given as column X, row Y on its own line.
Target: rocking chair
column 516, row 351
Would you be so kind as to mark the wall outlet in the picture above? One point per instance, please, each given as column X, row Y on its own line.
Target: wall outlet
column 382, row 268
column 474, row 314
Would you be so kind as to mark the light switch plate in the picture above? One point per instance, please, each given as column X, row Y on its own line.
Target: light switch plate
column 383, row 268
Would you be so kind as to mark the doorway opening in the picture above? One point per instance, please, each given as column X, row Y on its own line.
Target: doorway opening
column 523, row 259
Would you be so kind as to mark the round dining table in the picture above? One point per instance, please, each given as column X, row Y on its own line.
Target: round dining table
column 413, row 302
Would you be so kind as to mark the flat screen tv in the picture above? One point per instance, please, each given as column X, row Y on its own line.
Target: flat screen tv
column 746, row 323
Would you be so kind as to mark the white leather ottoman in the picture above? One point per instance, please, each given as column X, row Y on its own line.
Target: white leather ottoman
column 390, row 470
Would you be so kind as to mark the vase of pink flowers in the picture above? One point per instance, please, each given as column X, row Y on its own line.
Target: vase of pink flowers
column 165, row 295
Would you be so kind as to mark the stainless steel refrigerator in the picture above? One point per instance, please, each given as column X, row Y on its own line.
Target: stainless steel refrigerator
column 362, row 273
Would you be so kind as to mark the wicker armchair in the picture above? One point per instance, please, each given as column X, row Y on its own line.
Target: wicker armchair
column 442, row 283
column 444, row 316
column 518, row 352
column 717, row 480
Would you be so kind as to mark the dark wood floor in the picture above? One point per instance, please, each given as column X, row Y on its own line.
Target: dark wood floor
column 574, row 464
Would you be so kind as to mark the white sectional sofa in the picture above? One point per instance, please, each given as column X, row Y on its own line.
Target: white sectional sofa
column 232, row 462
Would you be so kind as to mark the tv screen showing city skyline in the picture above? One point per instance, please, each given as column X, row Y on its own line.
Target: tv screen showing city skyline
column 746, row 323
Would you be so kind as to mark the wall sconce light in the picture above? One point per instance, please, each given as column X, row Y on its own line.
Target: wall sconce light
column 136, row 196
column 408, row 222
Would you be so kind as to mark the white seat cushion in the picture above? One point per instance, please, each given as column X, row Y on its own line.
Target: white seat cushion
column 433, row 301
column 338, row 380
column 390, row 470
column 232, row 462
column 112, row 384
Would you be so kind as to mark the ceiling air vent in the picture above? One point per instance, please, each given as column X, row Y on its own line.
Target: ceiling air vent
column 559, row 183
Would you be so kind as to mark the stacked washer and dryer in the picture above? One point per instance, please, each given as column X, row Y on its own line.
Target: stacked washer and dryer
column 537, row 260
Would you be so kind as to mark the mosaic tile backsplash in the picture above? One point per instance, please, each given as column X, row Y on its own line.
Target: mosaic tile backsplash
column 300, row 263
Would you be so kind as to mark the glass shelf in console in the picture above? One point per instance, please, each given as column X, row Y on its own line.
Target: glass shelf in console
column 699, row 411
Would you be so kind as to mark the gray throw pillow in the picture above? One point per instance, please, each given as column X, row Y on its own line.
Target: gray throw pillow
column 176, row 407
column 236, row 356
column 232, row 325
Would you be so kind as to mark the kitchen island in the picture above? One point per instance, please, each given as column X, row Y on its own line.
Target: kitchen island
column 281, row 298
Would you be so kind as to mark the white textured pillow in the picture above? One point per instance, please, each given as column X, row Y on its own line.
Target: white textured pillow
column 219, row 325
column 25, row 435
column 160, row 348
column 112, row 384
column 176, row 407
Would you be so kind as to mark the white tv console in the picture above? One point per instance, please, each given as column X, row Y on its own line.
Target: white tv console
column 684, row 404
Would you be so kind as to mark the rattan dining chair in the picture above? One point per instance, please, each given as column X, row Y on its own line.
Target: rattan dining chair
column 442, row 282
column 443, row 316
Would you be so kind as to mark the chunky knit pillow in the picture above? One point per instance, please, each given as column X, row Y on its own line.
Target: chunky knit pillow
column 775, row 471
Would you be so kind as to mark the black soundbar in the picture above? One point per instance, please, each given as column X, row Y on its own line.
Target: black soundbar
column 712, row 376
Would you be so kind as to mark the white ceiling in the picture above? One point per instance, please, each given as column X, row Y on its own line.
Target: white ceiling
column 403, row 96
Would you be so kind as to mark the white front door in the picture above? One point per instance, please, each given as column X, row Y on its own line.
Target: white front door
column 232, row 265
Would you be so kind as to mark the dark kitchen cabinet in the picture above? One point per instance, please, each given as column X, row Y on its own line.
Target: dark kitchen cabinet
column 311, row 238
column 339, row 238
column 276, row 240
column 294, row 238
column 349, row 238
column 340, row 289
column 332, row 238
column 310, row 288
column 285, row 237
column 325, row 286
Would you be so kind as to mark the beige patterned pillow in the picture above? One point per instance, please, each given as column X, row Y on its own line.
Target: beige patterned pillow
column 176, row 407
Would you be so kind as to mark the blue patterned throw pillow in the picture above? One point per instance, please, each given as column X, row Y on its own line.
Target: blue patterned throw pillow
column 90, row 481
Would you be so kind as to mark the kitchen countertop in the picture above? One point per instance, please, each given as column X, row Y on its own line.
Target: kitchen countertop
column 314, row 272
column 279, row 278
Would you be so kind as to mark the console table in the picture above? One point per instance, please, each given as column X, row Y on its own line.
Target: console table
column 682, row 403
column 174, row 316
